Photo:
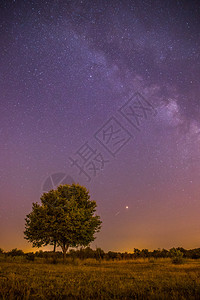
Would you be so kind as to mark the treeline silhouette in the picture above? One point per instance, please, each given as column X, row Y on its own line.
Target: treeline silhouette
column 98, row 254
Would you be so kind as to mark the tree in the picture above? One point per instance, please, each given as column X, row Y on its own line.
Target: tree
column 65, row 218
column 137, row 252
column 15, row 252
column 144, row 253
column 99, row 254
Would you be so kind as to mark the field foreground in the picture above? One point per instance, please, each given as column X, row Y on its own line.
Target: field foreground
column 135, row 279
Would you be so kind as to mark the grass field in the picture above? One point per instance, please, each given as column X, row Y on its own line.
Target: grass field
column 89, row 279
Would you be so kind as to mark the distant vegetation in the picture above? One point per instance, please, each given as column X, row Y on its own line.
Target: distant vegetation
column 176, row 254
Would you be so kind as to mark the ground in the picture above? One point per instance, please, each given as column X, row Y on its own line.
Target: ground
column 90, row 279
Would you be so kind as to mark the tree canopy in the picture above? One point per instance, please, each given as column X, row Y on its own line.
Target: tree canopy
column 64, row 218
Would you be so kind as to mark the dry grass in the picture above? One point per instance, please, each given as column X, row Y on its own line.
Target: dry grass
column 137, row 279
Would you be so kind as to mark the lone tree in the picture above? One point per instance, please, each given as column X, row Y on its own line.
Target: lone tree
column 65, row 218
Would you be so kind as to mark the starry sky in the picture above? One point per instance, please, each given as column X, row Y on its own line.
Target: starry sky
column 106, row 94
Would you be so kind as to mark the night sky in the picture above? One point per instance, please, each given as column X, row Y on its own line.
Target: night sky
column 106, row 94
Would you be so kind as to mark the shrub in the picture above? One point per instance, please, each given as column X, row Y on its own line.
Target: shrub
column 176, row 256
column 15, row 252
column 151, row 260
column 30, row 256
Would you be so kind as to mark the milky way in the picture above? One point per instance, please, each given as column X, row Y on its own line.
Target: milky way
column 69, row 70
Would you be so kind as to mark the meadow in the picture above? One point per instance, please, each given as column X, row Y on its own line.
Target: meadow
column 91, row 279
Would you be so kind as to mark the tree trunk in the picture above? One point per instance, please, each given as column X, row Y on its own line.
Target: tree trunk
column 54, row 247
column 64, row 255
column 64, row 249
